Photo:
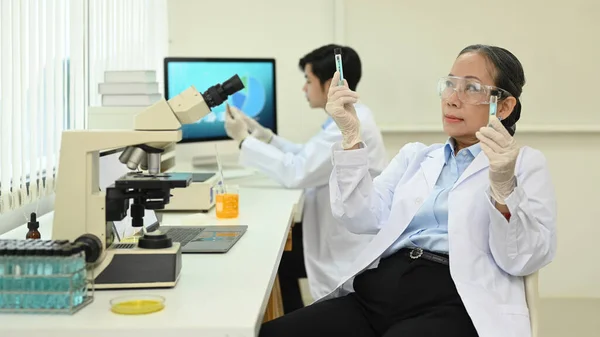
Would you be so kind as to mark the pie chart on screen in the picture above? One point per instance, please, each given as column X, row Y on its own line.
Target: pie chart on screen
column 251, row 100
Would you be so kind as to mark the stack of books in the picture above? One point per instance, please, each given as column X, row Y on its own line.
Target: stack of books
column 135, row 88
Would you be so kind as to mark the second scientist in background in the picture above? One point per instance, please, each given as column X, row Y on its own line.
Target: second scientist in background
column 329, row 248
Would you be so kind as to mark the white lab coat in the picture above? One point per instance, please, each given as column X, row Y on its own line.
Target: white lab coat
column 488, row 254
column 329, row 248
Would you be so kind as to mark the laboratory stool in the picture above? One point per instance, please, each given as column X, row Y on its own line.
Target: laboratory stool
column 532, row 297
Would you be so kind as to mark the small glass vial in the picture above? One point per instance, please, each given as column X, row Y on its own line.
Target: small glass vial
column 63, row 265
column 40, row 283
column 79, row 278
column 10, row 283
column 33, row 226
column 29, row 292
column 3, row 276
column 18, row 270
column 48, row 272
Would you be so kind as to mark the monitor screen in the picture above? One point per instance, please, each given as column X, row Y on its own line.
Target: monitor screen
column 257, row 99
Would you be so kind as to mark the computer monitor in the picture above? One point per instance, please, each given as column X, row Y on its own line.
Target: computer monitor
column 257, row 99
column 111, row 169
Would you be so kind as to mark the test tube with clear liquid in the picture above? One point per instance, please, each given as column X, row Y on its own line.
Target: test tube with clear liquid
column 338, row 64
column 493, row 105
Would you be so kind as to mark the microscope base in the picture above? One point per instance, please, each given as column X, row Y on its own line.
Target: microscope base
column 128, row 267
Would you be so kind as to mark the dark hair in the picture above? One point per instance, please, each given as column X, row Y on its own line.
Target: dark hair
column 322, row 61
column 508, row 75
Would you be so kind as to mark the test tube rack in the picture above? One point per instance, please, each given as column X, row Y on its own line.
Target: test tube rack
column 43, row 276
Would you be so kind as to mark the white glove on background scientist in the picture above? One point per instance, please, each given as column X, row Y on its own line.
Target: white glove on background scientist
column 235, row 126
column 256, row 130
column 241, row 126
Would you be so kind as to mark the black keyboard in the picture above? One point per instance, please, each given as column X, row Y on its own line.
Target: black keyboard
column 183, row 235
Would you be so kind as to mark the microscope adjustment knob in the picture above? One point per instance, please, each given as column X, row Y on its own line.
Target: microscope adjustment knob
column 92, row 246
column 155, row 240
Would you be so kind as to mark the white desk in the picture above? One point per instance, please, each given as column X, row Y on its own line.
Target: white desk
column 248, row 178
column 217, row 294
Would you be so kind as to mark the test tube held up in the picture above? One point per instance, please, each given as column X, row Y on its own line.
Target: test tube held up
column 338, row 64
column 493, row 103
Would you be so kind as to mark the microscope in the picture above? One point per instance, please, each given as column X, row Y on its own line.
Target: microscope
column 85, row 214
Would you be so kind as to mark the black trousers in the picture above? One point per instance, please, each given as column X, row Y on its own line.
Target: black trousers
column 291, row 270
column 402, row 297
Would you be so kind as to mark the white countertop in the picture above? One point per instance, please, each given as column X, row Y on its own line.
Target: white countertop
column 217, row 294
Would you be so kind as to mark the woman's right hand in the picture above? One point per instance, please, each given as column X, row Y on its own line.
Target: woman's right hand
column 340, row 106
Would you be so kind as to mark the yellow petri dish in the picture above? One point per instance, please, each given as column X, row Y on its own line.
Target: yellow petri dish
column 137, row 304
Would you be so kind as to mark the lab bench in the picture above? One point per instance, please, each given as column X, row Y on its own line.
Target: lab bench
column 227, row 294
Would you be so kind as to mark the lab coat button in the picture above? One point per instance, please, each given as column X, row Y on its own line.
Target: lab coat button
column 418, row 201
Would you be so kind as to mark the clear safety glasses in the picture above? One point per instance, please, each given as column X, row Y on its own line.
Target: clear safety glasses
column 469, row 90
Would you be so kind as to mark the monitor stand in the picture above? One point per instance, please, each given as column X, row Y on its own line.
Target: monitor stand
column 228, row 161
column 208, row 162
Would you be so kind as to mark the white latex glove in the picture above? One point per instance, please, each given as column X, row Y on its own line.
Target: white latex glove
column 502, row 151
column 340, row 106
column 256, row 130
column 235, row 126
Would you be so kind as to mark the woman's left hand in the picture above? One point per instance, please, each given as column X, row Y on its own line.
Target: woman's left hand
column 502, row 151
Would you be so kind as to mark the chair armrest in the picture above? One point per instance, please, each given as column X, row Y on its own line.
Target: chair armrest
column 532, row 297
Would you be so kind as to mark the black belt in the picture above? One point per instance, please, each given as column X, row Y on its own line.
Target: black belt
column 419, row 253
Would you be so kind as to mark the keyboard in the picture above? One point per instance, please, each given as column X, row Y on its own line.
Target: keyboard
column 183, row 235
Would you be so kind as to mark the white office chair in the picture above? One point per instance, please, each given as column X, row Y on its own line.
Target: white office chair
column 532, row 297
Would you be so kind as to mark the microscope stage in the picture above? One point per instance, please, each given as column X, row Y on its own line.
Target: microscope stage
column 139, row 180
column 201, row 177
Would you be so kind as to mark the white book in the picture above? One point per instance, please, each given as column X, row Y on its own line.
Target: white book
column 128, row 88
column 129, row 76
column 130, row 100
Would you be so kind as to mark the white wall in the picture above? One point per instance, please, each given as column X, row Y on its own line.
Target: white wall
column 285, row 30
column 416, row 45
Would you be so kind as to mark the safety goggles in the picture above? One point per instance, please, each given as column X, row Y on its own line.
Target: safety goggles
column 469, row 90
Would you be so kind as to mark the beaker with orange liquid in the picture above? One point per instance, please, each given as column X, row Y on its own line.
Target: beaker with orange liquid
column 228, row 202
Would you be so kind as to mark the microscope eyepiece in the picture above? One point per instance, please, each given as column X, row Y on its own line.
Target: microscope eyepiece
column 233, row 85
column 217, row 94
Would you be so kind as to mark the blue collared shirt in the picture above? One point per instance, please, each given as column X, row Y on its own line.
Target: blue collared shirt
column 429, row 227
column 326, row 123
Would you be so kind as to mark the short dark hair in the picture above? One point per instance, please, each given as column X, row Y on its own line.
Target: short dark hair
column 508, row 75
column 322, row 61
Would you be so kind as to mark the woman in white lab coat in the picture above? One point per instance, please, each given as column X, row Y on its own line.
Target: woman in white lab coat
column 458, row 225
column 329, row 248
